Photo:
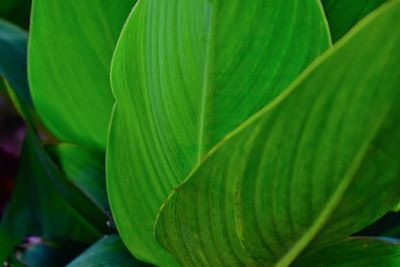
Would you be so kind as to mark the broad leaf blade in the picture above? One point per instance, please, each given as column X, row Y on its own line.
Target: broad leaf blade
column 353, row 252
column 183, row 78
column 108, row 251
column 303, row 171
column 70, row 49
column 342, row 15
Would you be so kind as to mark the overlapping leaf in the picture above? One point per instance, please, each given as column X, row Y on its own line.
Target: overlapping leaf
column 108, row 251
column 344, row 14
column 36, row 206
column 309, row 168
column 84, row 166
column 353, row 252
column 184, row 74
column 70, row 49
column 13, row 43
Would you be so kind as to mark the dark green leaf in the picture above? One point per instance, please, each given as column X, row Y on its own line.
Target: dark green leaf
column 84, row 166
column 184, row 74
column 307, row 169
column 108, row 251
column 16, row 11
column 344, row 14
column 387, row 226
column 13, row 67
column 354, row 252
column 13, row 42
column 36, row 206
column 39, row 252
column 7, row 242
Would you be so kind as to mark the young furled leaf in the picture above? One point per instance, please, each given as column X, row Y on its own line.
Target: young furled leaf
column 184, row 74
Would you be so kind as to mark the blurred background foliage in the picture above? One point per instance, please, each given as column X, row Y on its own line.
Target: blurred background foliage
column 53, row 202
column 16, row 11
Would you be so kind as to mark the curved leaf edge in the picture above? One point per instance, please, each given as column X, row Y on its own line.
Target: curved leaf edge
column 290, row 89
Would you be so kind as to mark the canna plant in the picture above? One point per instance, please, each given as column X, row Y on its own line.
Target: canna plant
column 205, row 133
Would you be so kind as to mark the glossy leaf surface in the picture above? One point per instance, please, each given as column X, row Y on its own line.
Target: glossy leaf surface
column 342, row 15
column 70, row 48
column 108, row 251
column 183, row 79
column 297, row 173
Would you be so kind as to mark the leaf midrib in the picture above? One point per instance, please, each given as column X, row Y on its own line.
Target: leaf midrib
column 335, row 199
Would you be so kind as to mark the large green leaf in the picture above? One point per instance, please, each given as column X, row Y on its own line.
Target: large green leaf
column 354, row 252
column 84, row 166
column 184, row 74
column 36, row 206
column 319, row 163
column 108, row 251
column 344, row 14
column 70, row 48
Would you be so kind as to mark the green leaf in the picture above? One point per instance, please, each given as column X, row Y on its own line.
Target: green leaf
column 342, row 15
column 13, row 43
column 84, row 167
column 36, row 206
column 108, row 251
column 184, row 74
column 355, row 251
column 307, row 169
column 68, row 190
column 70, row 49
